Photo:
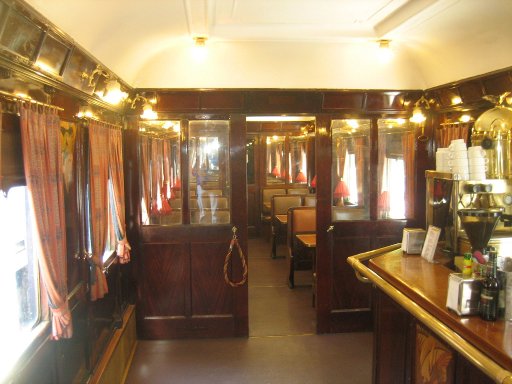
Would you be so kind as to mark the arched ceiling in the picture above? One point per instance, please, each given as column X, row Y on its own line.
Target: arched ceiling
column 328, row 44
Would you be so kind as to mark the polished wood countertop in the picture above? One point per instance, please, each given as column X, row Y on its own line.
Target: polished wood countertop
column 427, row 284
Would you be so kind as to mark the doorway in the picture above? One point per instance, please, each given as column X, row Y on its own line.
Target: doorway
column 280, row 157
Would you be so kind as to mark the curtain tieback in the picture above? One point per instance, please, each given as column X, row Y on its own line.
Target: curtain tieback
column 61, row 321
column 123, row 251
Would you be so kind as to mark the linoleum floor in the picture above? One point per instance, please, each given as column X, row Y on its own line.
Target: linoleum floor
column 282, row 346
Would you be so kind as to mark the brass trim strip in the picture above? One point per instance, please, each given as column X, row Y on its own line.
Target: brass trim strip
column 472, row 354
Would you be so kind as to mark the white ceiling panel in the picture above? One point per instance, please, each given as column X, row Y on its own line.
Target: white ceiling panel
column 289, row 43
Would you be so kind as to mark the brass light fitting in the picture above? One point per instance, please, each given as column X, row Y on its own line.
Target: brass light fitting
column 147, row 108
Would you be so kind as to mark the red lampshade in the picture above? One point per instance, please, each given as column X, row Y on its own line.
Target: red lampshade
column 341, row 190
column 177, row 184
column 313, row 182
column 301, row 178
column 276, row 172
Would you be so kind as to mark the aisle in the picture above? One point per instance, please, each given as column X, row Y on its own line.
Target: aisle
column 282, row 346
column 275, row 309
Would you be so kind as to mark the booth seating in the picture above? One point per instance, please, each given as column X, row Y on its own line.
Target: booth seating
column 210, row 216
column 213, row 202
column 279, row 208
column 205, row 192
column 172, row 218
column 298, row 191
column 310, row 201
column 266, row 197
column 300, row 220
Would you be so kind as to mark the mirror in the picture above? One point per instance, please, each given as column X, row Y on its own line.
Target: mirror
column 209, row 184
column 350, row 169
column 395, row 168
column 276, row 162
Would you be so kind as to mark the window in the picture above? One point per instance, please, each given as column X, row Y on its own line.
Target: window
column 18, row 276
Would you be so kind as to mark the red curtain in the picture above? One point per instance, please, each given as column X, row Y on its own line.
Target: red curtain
column 41, row 142
column 451, row 131
column 98, row 165
column 145, row 150
column 117, row 178
column 408, row 153
column 360, row 150
column 383, row 199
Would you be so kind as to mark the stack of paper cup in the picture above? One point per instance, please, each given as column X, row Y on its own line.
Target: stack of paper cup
column 477, row 163
column 442, row 159
column 459, row 159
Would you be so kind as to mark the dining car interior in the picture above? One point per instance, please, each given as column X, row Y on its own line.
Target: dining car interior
column 256, row 191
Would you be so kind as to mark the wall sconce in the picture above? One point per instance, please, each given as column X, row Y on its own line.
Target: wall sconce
column 112, row 93
column 147, row 109
column 84, row 111
column 109, row 91
column 98, row 71
column 418, row 116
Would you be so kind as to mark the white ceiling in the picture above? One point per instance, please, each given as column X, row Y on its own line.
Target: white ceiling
column 323, row 44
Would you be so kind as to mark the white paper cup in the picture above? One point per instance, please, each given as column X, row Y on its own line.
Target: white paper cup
column 458, row 154
column 476, row 151
column 478, row 161
column 477, row 176
column 460, row 162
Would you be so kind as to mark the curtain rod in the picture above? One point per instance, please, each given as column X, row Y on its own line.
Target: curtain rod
column 86, row 120
column 456, row 123
column 13, row 97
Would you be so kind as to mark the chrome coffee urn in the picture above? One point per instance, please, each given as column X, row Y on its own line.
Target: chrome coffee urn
column 492, row 131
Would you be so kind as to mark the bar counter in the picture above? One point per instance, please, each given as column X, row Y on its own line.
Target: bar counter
column 421, row 288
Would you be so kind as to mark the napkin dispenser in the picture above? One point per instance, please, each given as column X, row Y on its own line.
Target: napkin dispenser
column 463, row 294
column 412, row 240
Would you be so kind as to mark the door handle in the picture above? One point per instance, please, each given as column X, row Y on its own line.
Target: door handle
column 330, row 229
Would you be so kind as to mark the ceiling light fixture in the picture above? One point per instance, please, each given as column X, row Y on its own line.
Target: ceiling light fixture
column 200, row 41
column 147, row 109
column 385, row 53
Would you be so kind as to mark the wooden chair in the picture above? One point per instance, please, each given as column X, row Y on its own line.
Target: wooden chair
column 300, row 220
column 279, row 206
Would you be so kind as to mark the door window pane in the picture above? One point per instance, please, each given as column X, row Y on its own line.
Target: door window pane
column 250, row 147
column 395, row 169
column 350, row 169
column 209, row 183
column 160, row 173
column 276, row 161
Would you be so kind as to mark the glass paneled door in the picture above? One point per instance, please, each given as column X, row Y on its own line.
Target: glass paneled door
column 184, row 246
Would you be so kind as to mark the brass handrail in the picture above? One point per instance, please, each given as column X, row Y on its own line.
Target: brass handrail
column 471, row 353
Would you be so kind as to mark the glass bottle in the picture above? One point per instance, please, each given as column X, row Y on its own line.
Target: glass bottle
column 488, row 308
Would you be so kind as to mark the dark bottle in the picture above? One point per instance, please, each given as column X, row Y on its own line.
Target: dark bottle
column 490, row 291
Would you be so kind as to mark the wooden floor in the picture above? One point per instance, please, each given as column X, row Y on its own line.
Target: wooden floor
column 282, row 346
